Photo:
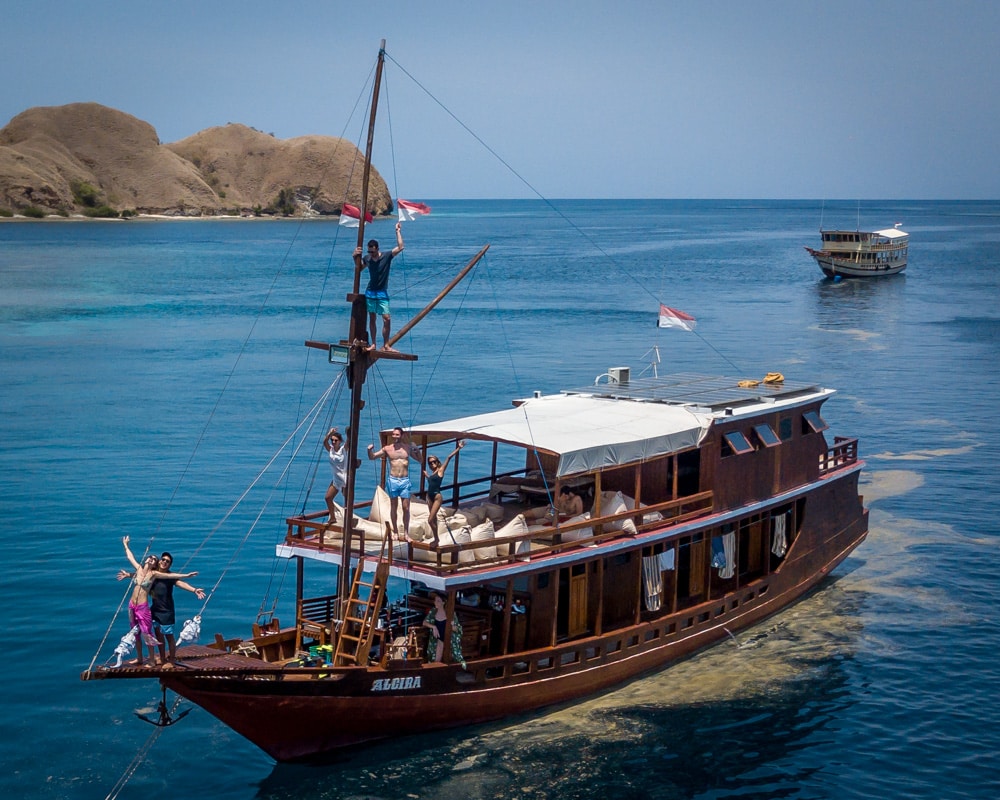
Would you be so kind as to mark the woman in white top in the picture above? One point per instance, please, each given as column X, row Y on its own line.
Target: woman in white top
column 336, row 448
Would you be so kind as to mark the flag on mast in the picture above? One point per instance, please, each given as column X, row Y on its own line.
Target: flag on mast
column 350, row 216
column 410, row 211
column 673, row 318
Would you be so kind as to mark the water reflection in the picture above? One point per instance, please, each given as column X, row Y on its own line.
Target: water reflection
column 845, row 303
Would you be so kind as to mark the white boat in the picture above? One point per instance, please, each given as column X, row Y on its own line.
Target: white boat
column 862, row 254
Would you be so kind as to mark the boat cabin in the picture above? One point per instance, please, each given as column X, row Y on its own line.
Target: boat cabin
column 692, row 489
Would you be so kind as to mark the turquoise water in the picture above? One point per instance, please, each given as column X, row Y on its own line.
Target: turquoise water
column 151, row 370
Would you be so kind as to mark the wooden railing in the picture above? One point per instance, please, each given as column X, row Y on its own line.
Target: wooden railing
column 310, row 531
column 843, row 453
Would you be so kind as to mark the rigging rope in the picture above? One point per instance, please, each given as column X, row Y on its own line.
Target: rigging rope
column 639, row 283
column 139, row 758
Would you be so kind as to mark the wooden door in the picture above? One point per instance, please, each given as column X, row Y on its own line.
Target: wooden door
column 578, row 600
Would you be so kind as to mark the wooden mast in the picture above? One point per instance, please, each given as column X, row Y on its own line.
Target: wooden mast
column 361, row 354
column 359, row 357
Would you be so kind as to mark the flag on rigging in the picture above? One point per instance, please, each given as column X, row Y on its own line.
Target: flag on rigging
column 410, row 211
column 672, row 318
column 350, row 216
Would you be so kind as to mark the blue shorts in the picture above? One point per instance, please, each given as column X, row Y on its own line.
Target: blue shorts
column 398, row 487
column 166, row 630
column 377, row 304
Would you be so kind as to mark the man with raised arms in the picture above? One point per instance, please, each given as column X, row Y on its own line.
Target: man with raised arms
column 397, row 482
column 377, row 293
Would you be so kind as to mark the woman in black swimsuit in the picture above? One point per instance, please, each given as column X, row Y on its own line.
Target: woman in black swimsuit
column 435, row 474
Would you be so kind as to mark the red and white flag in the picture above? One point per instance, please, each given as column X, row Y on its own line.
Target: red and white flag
column 410, row 211
column 350, row 216
column 672, row 318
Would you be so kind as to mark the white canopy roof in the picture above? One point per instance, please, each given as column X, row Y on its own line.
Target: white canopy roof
column 892, row 233
column 587, row 433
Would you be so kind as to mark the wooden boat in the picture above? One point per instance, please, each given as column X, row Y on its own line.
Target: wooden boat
column 707, row 505
column 862, row 254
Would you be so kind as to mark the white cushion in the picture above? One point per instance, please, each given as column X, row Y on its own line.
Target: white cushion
column 418, row 510
column 453, row 522
column 579, row 533
column 516, row 527
column 473, row 516
column 426, row 556
column 420, row 530
column 372, row 530
column 461, row 535
column 618, row 505
column 484, row 533
column 381, row 508
column 611, row 499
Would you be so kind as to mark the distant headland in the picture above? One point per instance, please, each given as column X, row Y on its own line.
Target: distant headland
column 85, row 159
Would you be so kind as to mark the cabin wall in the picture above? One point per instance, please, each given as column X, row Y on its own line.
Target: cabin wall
column 739, row 478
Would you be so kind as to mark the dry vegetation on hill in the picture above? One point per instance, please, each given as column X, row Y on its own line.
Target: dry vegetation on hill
column 85, row 158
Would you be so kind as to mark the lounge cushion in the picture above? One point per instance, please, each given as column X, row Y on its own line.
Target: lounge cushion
column 484, row 533
column 462, row 535
column 579, row 533
column 516, row 527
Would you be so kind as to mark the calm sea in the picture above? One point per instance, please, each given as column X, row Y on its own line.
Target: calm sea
column 151, row 369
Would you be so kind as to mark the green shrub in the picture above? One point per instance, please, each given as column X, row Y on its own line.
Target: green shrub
column 6, row 212
column 102, row 212
column 33, row 211
column 84, row 194
column 283, row 204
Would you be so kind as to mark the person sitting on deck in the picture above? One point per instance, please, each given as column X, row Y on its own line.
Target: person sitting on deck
column 437, row 620
column 568, row 504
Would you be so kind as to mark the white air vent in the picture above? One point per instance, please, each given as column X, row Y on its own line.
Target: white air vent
column 618, row 374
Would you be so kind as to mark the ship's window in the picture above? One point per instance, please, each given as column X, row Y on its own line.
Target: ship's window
column 766, row 435
column 735, row 444
column 543, row 581
column 814, row 421
column 785, row 428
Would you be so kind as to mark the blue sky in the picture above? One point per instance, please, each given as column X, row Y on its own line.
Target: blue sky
column 633, row 98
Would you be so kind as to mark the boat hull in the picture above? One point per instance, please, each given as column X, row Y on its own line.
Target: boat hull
column 306, row 718
column 834, row 267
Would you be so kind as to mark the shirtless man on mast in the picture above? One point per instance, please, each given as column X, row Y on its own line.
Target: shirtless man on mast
column 397, row 483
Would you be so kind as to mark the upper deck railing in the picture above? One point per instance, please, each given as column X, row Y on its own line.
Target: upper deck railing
column 843, row 453
column 310, row 531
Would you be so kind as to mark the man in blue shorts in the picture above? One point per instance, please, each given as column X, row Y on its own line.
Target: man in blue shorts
column 397, row 482
column 377, row 293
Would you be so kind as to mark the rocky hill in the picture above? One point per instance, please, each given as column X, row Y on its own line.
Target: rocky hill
column 85, row 158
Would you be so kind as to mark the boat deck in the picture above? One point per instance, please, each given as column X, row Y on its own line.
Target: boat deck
column 208, row 660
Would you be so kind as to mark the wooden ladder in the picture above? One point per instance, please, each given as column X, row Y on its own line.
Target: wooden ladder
column 354, row 639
